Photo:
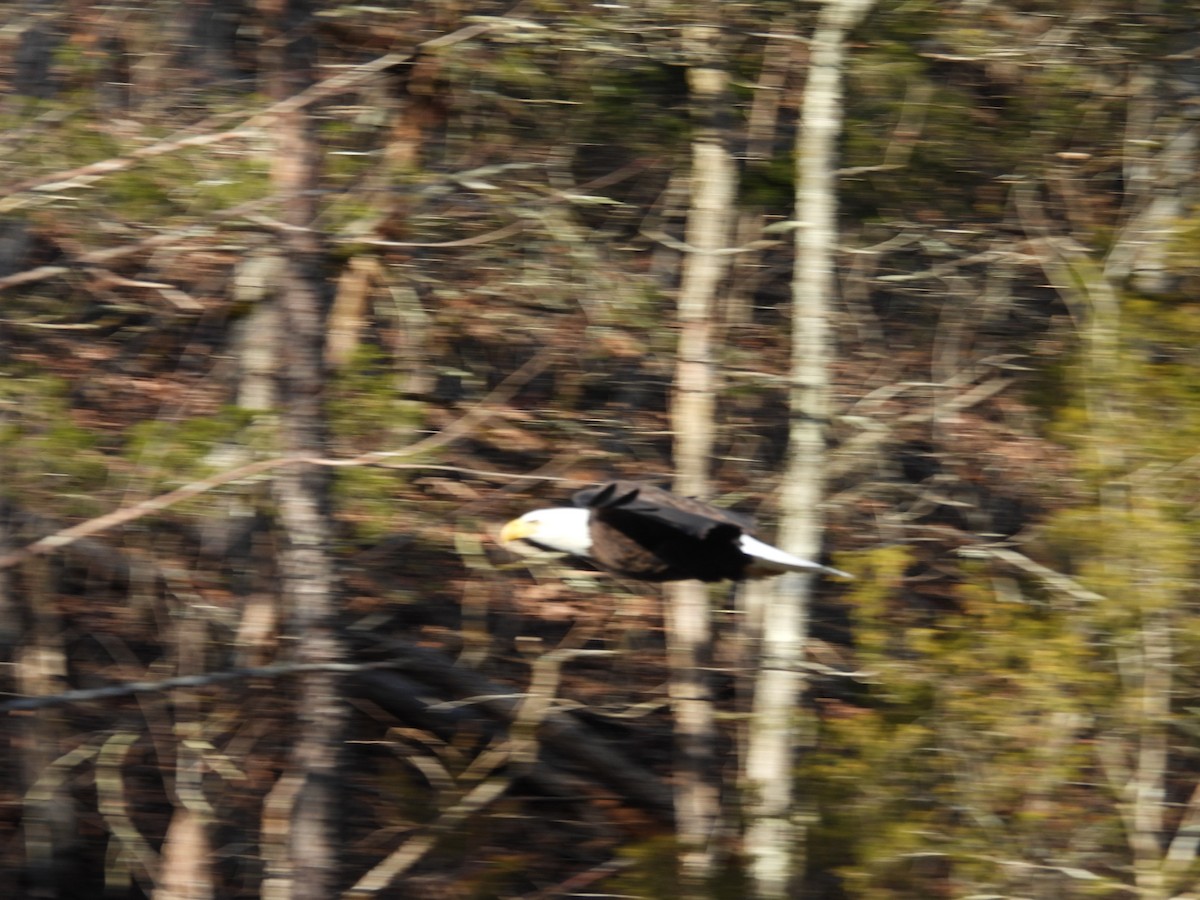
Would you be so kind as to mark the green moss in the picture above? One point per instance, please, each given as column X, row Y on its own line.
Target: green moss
column 235, row 180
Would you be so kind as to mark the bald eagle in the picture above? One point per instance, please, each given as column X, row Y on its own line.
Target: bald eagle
column 644, row 532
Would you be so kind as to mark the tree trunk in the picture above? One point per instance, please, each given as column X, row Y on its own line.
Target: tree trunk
column 689, row 630
column 762, row 127
column 1158, row 190
column 774, row 841
column 33, row 58
column 308, row 867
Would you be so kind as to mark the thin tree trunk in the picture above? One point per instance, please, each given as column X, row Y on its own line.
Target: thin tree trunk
column 774, row 839
column 697, row 798
column 309, row 866
column 1157, row 188
column 762, row 126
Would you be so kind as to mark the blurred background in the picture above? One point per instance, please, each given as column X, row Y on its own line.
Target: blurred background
column 449, row 245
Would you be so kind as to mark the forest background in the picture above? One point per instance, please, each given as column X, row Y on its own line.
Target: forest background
column 301, row 300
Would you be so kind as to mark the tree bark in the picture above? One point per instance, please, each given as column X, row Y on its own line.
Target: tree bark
column 310, row 862
column 774, row 839
column 33, row 58
column 1158, row 191
column 697, row 797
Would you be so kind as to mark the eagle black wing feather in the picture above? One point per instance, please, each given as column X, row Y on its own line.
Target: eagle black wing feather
column 650, row 533
column 690, row 516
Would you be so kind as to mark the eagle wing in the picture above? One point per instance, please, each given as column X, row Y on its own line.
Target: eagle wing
column 649, row 533
column 692, row 517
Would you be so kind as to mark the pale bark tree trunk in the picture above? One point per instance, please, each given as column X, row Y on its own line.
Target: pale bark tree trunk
column 697, row 797
column 1159, row 187
column 308, row 865
column 186, row 871
column 774, row 839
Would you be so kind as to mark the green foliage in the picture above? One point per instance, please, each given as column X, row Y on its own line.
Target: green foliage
column 50, row 462
column 1146, row 401
column 170, row 453
column 366, row 500
column 963, row 745
column 183, row 183
column 227, row 182
column 191, row 183
column 364, row 410
column 769, row 184
column 143, row 193
column 643, row 104
column 976, row 118
column 976, row 740
column 655, row 873
column 366, row 414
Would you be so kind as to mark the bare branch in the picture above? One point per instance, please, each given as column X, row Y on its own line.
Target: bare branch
column 516, row 752
column 498, row 234
column 113, row 806
column 1052, row 579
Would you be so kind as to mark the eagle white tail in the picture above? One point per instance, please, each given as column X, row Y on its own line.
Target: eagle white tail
column 772, row 560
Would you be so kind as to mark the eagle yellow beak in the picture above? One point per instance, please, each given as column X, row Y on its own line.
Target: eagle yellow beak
column 516, row 530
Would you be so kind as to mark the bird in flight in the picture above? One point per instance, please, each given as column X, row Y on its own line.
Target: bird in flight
column 645, row 532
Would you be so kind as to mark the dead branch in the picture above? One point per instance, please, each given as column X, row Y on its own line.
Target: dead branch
column 1054, row 580
column 500, row 233
column 560, row 730
column 114, row 807
column 519, row 749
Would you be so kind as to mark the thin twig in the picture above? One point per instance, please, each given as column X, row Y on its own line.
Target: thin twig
column 508, row 230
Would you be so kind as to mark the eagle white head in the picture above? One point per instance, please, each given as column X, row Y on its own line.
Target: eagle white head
column 563, row 529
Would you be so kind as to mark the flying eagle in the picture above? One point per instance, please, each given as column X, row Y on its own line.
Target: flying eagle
column 644, row 532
